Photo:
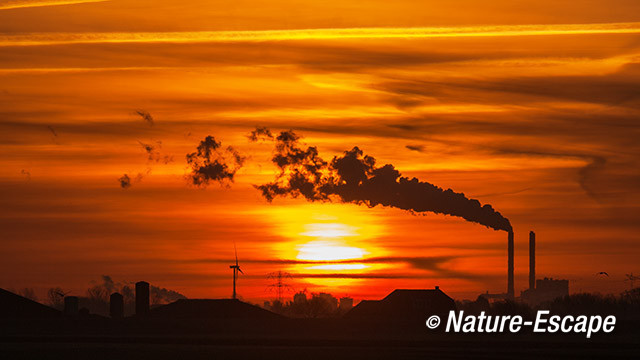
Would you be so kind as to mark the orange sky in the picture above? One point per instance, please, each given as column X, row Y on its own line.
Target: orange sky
column 530, row 106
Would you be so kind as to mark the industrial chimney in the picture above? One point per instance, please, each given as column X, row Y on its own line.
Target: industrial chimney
column 510, row 287
column 142, row 298
column 532, row 260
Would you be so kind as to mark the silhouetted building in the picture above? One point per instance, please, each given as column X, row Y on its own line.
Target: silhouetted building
column 116, row 305
column 541, row 290
column 346, row 304
column 142, row 298
column 547, row 289
column 404, row 305
column 211, row 309
column 71, row 306
column 552, row 288
column 16, row 306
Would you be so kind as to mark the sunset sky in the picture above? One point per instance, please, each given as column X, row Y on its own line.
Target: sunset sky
column 530, row 106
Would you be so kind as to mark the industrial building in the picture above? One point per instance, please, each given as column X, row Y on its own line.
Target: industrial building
column 541, row 290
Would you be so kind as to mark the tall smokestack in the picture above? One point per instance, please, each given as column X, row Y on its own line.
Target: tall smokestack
column 510, row 290
column 532, row 260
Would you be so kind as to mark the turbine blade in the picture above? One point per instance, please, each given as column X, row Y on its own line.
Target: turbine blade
column 236, row 252
column 241, row 272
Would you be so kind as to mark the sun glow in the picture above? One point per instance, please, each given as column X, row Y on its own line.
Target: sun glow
column 328, row 230
column 339, row 267
column 322, row 250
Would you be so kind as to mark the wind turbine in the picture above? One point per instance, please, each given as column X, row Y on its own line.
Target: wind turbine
column 236, row 269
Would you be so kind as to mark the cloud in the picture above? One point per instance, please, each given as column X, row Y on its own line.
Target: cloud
column 18, row 4
column 618, row 88
column 418, row 148
column 433, row 264
column 423, row 262
column 490, row 31
column 595, row 164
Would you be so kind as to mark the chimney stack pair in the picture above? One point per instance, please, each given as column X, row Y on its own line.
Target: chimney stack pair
column 510, row 264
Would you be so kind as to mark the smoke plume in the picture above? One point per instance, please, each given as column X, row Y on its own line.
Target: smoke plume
column 146, row 116
column 260, row 133
column 52, row 130
column 154, row 154
column 213, row 163
column 125, row 181
column 355, row 178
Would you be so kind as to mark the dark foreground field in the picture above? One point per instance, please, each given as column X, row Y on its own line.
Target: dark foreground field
column 321, row 350
column 295, row 339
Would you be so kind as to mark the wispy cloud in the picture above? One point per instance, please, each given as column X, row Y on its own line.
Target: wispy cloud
column 17, row 4
column 318, row 34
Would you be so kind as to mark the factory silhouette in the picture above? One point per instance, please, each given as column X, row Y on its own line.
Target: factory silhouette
column 399, row 305
column 314, row 328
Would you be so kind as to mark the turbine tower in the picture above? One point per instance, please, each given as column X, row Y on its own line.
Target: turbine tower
column 236, row 269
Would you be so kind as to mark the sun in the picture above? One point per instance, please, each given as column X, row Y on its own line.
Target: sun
column 328, row 250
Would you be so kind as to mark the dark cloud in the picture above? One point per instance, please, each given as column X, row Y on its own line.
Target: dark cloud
column 620, row 89
column 421, row 262
column 146, row 116
column 211, row 163
column 595, row 164
column 418, row 148
column 260, row 133
column 434, row 264
column 355, row 178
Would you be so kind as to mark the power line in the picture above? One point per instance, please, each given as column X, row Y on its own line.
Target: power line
column 279, row 285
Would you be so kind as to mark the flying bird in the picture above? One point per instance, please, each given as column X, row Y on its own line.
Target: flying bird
column 603, row 273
